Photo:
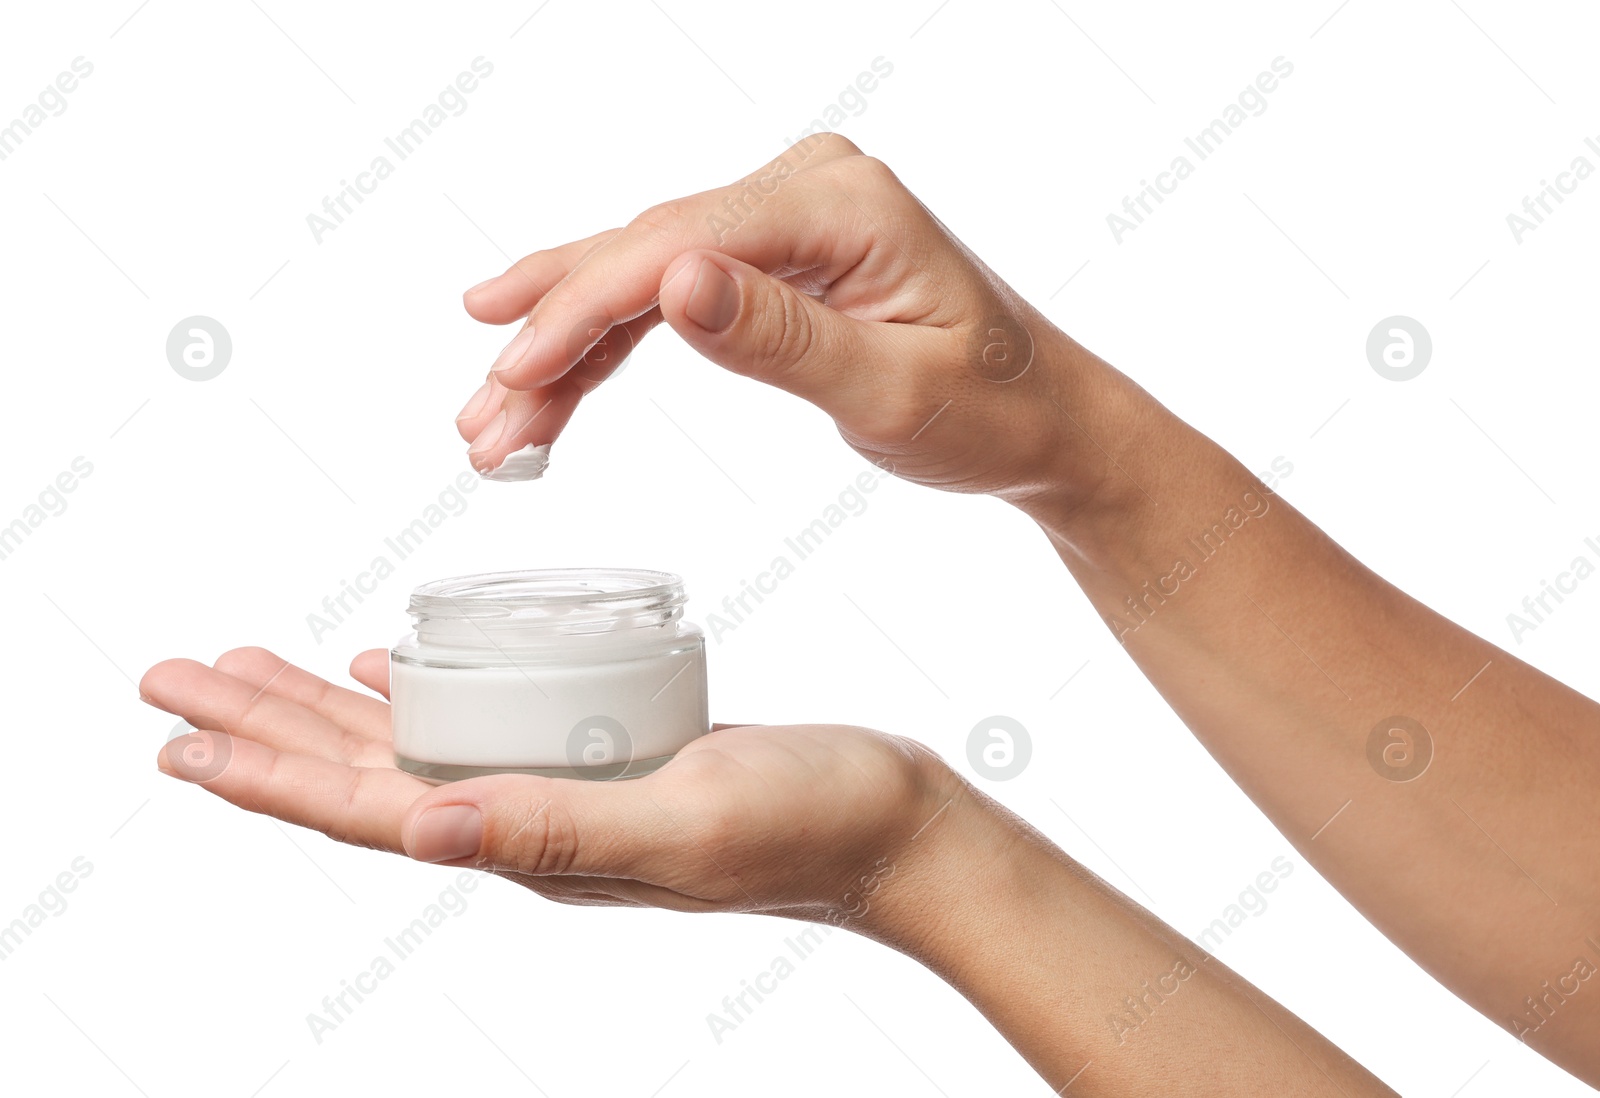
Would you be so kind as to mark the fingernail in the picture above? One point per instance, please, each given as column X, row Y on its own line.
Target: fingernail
column 513, row 353
column 447, row 834
column 481, row 285
column 474, row 407
column 714, row 301
column 488, row 437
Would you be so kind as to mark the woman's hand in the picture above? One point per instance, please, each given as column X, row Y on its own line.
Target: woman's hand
column 829, row 824
column 806, row 821
column 820, row 274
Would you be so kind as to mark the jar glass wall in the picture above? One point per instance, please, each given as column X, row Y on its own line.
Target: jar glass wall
column 573, row 673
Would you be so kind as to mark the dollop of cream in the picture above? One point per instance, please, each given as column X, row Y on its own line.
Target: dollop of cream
column 528, row 463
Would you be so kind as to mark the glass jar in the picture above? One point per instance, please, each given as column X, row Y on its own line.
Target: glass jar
column 567, row 673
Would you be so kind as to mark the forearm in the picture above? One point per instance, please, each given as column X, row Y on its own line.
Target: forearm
column 1090, row 988
column 1283, row 654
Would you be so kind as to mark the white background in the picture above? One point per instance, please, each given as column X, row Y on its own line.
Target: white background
column 221, row 513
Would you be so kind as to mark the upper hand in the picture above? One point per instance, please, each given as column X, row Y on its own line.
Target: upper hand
column 820, row 274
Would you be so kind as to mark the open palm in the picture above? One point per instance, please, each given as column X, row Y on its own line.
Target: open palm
column 800, row 821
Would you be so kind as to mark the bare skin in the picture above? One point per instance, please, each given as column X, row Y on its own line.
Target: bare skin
column 846, row 826
column 822, row 275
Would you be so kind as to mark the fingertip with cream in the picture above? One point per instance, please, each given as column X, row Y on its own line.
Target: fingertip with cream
column 528, row 463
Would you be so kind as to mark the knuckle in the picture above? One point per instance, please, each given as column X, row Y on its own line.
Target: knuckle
column 786, row 335
column 539, row 270
column 251, row 713
column 839, row 143
column 833, row 144
column 242, row 659
column 544, row 843
column 600, row 241
column 869, row 173
column 663, row 219
column 870, row 167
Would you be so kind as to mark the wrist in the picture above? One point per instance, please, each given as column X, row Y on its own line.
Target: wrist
column 958, row 866
column 1091, row 425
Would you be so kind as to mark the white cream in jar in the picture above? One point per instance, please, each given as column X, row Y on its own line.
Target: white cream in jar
column 574, row 673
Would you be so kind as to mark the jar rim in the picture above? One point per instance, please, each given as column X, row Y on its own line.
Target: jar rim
column 539, row 592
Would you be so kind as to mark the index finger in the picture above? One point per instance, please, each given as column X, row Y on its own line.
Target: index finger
column 508, row 296
column 621, row 279
column 359, row 805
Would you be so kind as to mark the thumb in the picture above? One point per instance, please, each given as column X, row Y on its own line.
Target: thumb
column 544, row 826
column 753, row 324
